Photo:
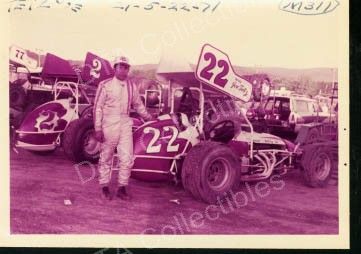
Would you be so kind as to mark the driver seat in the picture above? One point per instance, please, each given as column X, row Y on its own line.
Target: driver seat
column 188, row 104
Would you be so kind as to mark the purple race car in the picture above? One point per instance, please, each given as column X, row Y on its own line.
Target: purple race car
column 43, row 128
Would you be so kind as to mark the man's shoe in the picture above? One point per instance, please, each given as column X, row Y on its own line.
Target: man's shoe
column 106, row 193
column 122, row 193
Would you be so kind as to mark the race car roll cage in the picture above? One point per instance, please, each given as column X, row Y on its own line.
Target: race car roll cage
column 57, row 87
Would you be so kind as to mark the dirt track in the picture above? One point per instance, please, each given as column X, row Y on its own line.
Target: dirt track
column 40, row 184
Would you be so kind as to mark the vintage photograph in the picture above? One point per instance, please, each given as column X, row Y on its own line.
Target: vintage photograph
column 175, row 118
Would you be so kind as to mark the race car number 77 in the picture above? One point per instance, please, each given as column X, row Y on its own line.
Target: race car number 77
column 214, row 69
column 19, row 54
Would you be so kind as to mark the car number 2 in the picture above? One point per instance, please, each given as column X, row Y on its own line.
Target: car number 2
column 95, row 68
column 155, row 148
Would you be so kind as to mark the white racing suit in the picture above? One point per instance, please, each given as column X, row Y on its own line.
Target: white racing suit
column 111, row 115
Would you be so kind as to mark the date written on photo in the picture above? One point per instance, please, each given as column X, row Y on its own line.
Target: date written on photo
column 172, row 6
column 29, row 5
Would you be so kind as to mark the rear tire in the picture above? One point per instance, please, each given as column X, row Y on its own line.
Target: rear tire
column 78, row 142
column 318, row 166
column 210, row 172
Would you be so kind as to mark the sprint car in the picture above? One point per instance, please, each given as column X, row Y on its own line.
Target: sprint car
column 59, row 98
column 54, row 80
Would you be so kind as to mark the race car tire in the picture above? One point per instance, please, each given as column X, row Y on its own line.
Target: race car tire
column 17, row 97
column 187, row 172
column 317, row 165
column 78, row 142
column 210, row 172
column 87, row 113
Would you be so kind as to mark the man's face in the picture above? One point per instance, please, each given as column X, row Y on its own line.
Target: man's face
column 121, row 71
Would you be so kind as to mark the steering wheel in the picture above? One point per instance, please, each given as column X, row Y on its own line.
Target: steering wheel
column 221, row 123
column 188, row 105
column 223, row 131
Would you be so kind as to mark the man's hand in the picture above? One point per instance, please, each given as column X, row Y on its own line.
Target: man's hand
column 99, row 136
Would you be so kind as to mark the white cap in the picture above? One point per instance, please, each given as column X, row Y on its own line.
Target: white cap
column 121, row 60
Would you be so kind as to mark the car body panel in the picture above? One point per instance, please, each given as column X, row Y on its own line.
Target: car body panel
column 44, row 124
column 263, row 138
column 157, row 146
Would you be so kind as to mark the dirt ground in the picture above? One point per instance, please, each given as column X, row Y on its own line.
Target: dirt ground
column 48, row 196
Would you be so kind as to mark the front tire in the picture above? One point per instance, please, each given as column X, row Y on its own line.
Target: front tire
column 79, row 143
column 210, row 172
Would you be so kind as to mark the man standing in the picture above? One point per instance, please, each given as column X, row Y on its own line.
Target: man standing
column 113, row 126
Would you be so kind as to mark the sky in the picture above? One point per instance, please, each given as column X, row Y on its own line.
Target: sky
column 251, row 34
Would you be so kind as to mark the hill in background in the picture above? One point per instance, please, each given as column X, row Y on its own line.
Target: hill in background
column 309, row 81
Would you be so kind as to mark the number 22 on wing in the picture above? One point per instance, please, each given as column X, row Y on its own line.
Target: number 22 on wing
column 208, row 71
column 155, row 148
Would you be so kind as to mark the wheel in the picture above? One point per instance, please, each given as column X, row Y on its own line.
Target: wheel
column 79, row 143
column 318, row 165
column 17, row 97
column 210, row 171
column 87, row 113
column 312, row 136
column 222, row 122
